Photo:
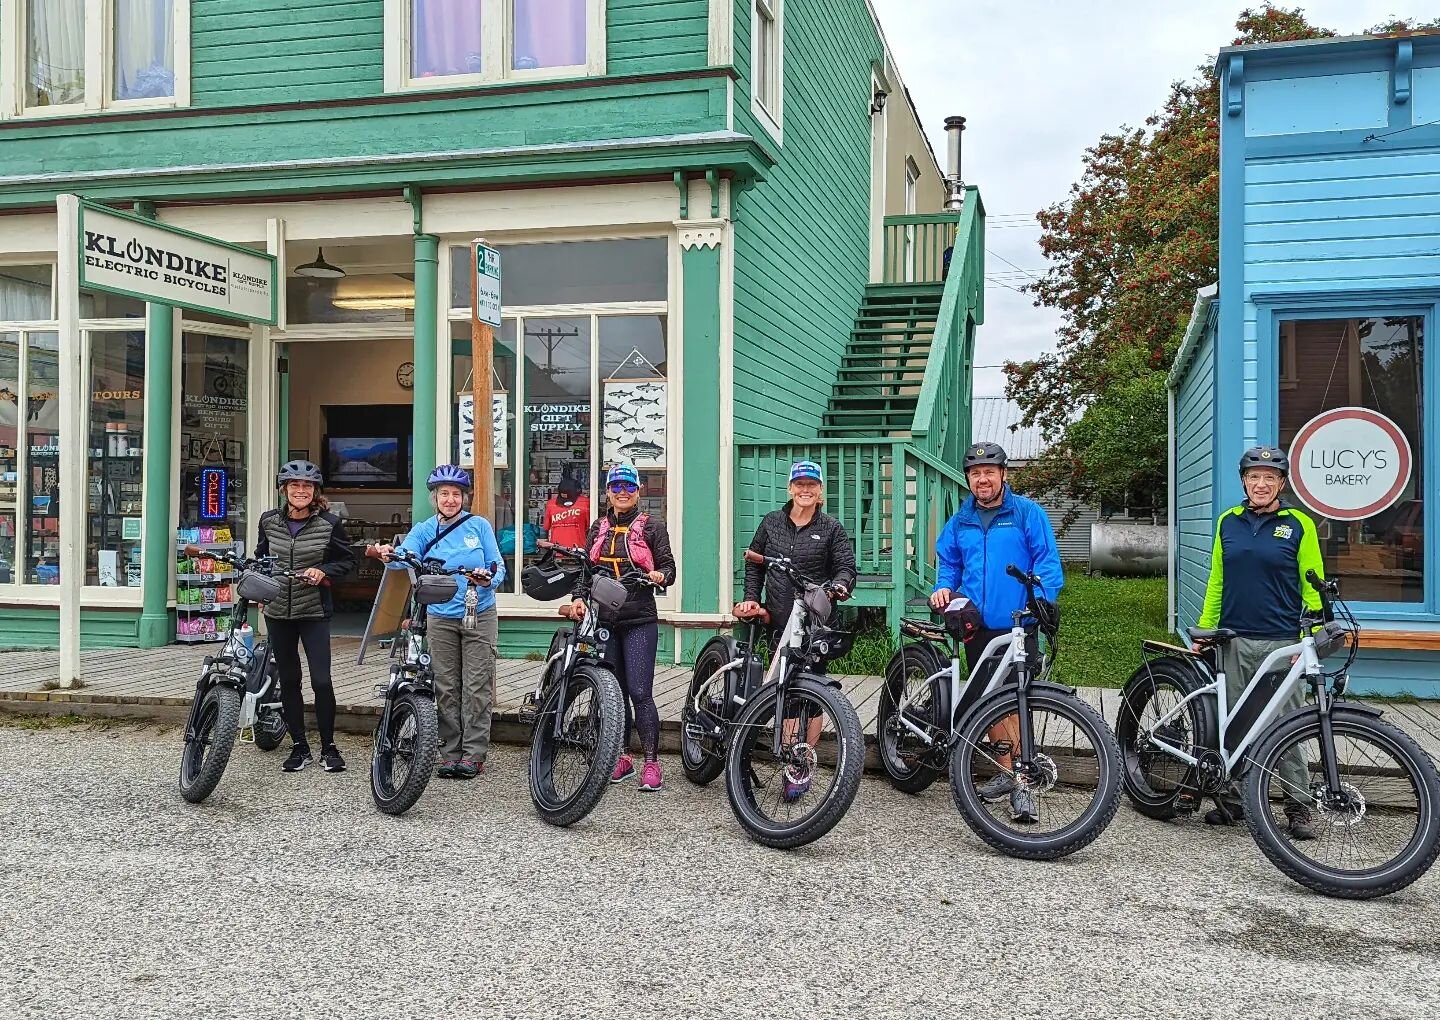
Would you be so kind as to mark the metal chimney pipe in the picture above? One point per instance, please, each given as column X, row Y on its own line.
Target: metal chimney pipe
column 955, row 199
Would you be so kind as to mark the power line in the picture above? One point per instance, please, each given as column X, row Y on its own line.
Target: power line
column 1003, row 259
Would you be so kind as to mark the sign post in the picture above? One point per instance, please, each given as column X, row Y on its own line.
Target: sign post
column 484, row 320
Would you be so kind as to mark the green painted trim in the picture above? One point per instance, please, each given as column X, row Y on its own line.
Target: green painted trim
column 682, row 185
column 700, row 551
column 427, row 290
column 712, row 178
column 158, row 551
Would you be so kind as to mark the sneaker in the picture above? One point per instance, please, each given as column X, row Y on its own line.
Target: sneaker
column 331, row 761
column 624, row 769
column 468, row 768
column 1222, row 814
column 1302, row 822
column 1023, row 807
column 650, row 776
column 446, row 769
column 797, row 782
column 996, row 788
column 299, row 758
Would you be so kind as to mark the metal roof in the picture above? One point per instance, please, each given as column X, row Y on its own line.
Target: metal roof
column 997, row 420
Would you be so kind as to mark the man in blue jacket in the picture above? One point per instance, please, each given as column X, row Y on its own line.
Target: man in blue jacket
column 993, row 529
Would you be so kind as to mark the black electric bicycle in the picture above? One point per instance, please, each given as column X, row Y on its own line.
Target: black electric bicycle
column 789, row 743
column 239, row 687
column 406, row 741
column 1371, row 793
column 577, row 711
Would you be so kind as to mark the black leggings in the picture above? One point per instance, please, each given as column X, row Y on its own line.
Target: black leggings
column 286, row 637
column 633, row 650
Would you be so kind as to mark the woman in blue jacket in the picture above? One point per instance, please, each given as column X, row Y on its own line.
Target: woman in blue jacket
column 993, row 529
column 464, row 657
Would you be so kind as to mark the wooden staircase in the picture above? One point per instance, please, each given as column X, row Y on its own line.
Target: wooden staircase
column 878, row 385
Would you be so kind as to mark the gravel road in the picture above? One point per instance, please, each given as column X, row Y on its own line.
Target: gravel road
column 290, row 896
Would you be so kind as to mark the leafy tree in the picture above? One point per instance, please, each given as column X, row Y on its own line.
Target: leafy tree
column 1137, row 236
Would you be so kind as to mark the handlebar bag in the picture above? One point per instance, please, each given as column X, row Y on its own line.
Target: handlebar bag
column 435, row 589
column 609, row 593
column 547, row 581
column 257, row 587
column 819, row 605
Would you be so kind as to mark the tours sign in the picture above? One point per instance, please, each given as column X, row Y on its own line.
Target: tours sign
column 150, row 261
column 1350, row 463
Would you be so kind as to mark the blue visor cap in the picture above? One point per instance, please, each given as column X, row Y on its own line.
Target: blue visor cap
column 623, row 473
column 806, row 469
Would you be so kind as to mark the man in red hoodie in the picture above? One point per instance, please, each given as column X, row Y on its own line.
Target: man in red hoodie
column 567, row 514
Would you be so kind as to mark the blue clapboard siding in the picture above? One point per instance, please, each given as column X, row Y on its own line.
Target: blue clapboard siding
column 1194, row 479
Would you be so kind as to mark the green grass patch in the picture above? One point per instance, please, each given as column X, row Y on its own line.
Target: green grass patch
column 1102, row 622
column 58, row 722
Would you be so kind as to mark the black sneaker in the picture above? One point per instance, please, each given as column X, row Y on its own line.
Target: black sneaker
column 331, row 761
column 299, row 758
column 1222, row 814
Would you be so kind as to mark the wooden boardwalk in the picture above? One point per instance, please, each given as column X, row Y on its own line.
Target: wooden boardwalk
column 161, row 681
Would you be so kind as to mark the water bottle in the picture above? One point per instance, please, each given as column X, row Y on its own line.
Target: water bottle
column 472, row 603
column 245, row 638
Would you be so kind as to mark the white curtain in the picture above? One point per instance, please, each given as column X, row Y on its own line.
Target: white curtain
column 549, row 33
column 23, row 300
column 56, row 52
column 144, row 49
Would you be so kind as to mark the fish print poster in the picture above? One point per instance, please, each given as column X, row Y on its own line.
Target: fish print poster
column 635, row 422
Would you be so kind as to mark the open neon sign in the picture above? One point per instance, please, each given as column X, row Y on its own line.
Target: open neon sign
column 214, row 494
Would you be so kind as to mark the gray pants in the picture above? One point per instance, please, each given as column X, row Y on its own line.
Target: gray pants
column 1242, row 657
column 464, row 683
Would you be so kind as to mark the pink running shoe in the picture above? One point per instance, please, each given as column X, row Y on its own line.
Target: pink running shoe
column 650, row 776
column 624, row 769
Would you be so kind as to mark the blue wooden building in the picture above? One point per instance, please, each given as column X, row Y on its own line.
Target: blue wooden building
column 1315, row 337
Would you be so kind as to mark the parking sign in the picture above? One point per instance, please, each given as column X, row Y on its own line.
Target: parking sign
column 487, row 284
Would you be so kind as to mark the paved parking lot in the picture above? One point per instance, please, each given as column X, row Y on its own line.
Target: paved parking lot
column 289, row 896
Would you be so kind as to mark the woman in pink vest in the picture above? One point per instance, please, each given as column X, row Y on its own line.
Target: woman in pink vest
column 625, row 540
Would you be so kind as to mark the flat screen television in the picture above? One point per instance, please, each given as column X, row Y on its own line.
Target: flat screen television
column 357, row 462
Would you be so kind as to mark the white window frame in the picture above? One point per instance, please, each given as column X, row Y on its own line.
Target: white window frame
column 769, row 110
column 497, row 33
column 99, row 64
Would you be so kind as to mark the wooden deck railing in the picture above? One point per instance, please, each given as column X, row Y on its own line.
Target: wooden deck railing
column 915, row 247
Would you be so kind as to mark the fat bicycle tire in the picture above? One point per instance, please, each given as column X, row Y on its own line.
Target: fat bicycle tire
column 203, row 758
column 602, row 742
column 1419, row 853
column 972, row 735
column 267, row 737
column 754, row 726
column 909, row 774
column 420, row 747
column 703, row 759
column 1194, row 727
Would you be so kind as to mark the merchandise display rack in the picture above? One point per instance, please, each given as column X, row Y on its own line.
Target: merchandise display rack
column 206, row 606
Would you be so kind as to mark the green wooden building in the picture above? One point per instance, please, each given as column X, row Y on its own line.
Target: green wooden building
column 718, row 217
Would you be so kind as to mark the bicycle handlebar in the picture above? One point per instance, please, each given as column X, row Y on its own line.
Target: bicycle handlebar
column 787, row 566
column 430, row 568
column 263, row 564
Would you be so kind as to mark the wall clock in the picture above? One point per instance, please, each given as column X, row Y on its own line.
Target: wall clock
column 405, row 375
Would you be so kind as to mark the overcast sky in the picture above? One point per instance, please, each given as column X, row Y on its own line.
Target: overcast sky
column 1039, row 82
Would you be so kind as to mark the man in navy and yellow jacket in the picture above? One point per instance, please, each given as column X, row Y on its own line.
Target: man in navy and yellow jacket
column 1257, row 588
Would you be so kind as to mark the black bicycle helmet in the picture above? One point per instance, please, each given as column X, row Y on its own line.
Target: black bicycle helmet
column 1265, row 457
column 985, row 453
column 299, row 471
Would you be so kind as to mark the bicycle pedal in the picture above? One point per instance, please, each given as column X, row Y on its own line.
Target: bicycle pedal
column 1187, row 802
column 695, row 731
column 246, row 735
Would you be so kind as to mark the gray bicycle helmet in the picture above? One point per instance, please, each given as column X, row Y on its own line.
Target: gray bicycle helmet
column 299, row 471
column 1265, row 457
column 985, row 453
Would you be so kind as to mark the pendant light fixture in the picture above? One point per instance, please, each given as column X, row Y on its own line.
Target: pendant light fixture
column 320, row 268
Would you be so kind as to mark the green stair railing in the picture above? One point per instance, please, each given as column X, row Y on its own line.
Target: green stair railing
column 915, row 247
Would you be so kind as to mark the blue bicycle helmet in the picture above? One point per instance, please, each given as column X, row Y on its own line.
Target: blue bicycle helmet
column 448, row 474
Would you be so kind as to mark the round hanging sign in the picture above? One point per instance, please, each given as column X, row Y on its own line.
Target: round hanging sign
column 1350, row 463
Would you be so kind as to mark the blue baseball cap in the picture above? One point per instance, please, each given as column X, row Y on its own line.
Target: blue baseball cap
column 806, row 469
column 622, row 473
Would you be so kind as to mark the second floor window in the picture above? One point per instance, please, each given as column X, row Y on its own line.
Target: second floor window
column 768, row 57
column 452, row 42
column 85, row 55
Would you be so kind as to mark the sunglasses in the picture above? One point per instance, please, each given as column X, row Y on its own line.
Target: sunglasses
column 624, row 487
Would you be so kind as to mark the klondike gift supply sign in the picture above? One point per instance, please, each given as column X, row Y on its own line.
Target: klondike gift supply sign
column 141, row 258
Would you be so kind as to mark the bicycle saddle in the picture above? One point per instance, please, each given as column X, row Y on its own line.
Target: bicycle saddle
column 922, row 629
column 763, row 615
column 1219, row 636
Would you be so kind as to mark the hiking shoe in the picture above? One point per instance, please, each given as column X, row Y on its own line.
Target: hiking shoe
column 299, row 758
column 446, row 769
column 996, row 788
column 624, row 769
column 797, row 782
column 331, row 761
column 468, row 768
column 1023, row 807
column 1222, row 815
column 650, row 776
column 1302, row 822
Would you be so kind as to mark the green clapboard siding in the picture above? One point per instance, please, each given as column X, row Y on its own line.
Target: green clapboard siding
column 652, row 36
column 802, row 237
column 33, row 627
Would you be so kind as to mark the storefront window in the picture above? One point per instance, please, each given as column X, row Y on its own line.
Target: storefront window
column 40, row 500
column 558, row 416
column 466, row 421
column 1374, row 363
column 444, row 38
column 25, row 294
column 636, row 405
column 10, row 416
column 115, row 474
column 101, row 305
column 570, row 272
column 214, row 415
